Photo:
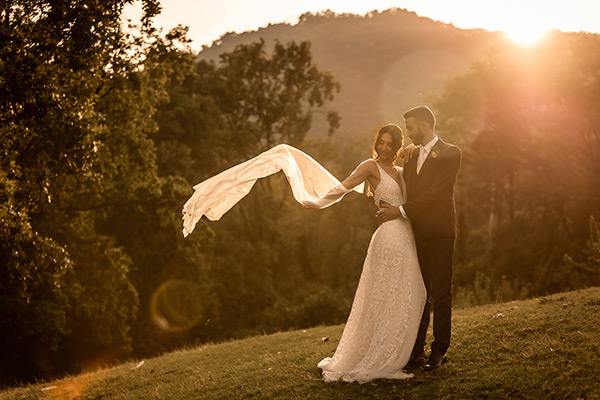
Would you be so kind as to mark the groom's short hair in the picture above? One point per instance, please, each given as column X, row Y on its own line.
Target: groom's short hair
column 421, row 113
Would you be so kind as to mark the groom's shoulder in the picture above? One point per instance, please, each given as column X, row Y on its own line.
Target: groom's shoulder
column 450, row 148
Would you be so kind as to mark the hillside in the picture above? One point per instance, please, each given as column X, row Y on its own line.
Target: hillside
column 544, row 348
column 385, row 62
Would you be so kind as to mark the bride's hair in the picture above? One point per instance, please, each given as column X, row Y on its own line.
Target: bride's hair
column 395, row 132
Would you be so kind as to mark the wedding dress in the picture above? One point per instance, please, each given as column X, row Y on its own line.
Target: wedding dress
column 382, row 327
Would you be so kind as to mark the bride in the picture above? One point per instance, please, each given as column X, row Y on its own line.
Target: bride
column 382, row 327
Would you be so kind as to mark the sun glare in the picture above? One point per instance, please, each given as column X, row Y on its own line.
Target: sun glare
column 526, row 35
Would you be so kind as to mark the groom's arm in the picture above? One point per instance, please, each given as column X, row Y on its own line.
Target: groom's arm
column 443, row 183
column 402, row 212
column 387, row 212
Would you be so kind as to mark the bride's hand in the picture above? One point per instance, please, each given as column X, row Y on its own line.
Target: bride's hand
column 406, row 153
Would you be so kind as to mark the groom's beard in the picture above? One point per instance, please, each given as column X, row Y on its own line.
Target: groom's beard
column 418, row 138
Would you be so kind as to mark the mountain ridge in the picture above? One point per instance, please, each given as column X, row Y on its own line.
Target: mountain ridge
column 386, row 62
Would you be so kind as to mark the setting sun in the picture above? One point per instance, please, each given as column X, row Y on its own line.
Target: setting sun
column 526, row 35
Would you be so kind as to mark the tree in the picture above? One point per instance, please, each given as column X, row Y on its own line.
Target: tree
column 33, row 269
column 590, row 267
column 73, row 141
column 267, row 99
column 523, row 200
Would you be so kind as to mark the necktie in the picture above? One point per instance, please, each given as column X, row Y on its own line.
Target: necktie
column 421, row 158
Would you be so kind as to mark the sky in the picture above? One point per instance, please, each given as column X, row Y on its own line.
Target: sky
column 523, row 20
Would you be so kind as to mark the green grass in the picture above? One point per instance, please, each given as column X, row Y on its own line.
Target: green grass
column 545, row 348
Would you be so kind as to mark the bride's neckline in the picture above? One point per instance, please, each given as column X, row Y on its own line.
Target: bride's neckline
column 387, row 173
column 381, row 178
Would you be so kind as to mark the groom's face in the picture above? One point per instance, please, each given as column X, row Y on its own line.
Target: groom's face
column 414, row 131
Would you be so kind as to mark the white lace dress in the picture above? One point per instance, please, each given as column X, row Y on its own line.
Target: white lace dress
column 382, row 327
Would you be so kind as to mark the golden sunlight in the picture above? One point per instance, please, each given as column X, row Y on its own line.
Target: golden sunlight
column 526, row 34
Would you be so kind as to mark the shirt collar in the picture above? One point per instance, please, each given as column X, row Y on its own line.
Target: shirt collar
column 427, row 147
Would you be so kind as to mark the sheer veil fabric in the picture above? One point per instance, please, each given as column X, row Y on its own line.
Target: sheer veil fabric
column 311, row 184
column 382, row 327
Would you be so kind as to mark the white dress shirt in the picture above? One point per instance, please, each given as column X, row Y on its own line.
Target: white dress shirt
column 423, row 154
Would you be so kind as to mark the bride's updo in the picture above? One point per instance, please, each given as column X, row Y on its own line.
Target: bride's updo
column 395, row 132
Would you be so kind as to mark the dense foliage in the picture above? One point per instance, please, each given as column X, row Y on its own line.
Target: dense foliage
column 527, row 122
column 72, row 148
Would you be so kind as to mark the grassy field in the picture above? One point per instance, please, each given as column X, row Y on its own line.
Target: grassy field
column 544, row 348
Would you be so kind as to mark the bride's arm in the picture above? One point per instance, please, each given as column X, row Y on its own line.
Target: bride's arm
column 362, row 173
column 406, row 153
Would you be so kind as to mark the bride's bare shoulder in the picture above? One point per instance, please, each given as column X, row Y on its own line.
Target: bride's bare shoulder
column 369, row 161
column 369, row 165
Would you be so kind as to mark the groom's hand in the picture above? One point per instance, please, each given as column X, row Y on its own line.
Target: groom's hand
column 387, row 212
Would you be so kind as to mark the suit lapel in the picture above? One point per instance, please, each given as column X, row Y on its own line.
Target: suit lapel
column 437, row 148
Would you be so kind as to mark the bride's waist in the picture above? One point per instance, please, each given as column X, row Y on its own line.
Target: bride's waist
column 397, row 227
column 396, row 221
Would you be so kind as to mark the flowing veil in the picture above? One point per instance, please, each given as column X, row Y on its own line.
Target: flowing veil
column 310, row 182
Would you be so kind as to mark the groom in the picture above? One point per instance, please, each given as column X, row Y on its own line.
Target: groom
column 430, row 177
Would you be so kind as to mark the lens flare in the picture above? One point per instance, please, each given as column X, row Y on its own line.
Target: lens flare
column 176, row 305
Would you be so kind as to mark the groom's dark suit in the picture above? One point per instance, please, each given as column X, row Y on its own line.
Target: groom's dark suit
column 430, row 208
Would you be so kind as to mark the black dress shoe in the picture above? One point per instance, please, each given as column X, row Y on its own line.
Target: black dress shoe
column 417, row 359
column 435, row 361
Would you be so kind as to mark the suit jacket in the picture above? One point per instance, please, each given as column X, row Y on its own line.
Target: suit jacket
column 430, row 194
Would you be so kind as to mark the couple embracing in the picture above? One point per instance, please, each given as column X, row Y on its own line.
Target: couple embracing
column 409, row 260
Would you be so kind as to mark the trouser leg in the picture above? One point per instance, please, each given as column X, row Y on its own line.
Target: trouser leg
column 422, row 333
column 440, row 267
